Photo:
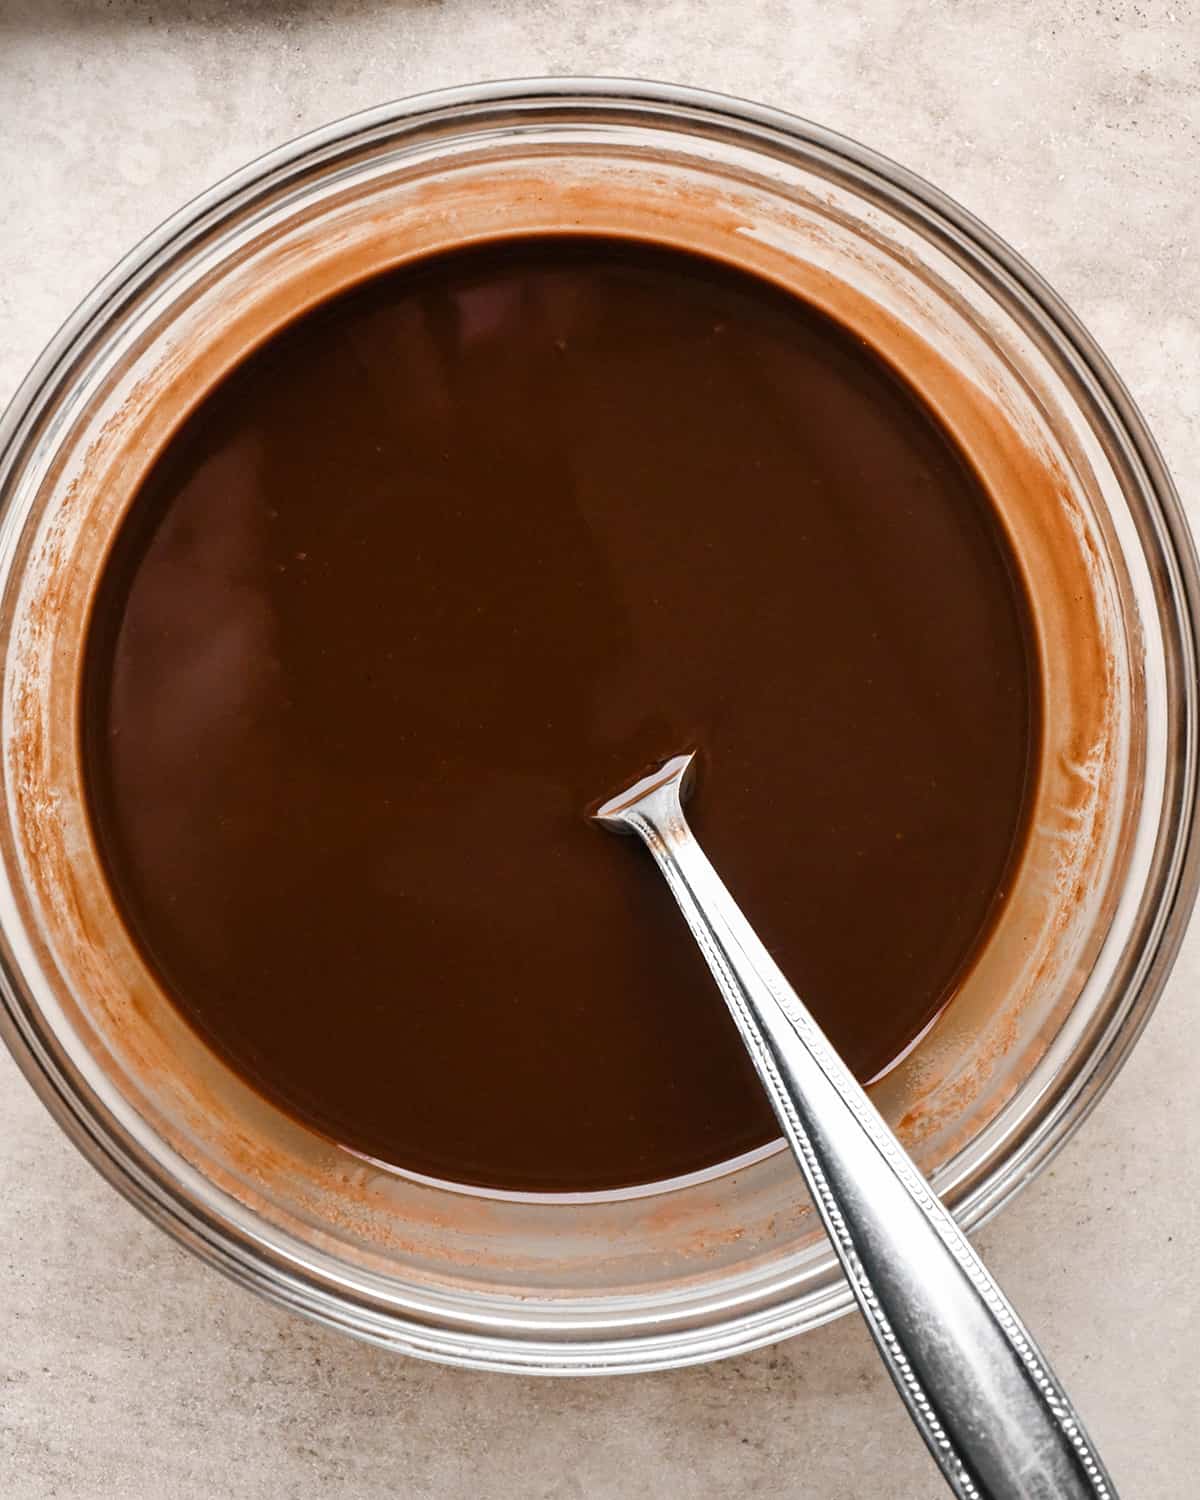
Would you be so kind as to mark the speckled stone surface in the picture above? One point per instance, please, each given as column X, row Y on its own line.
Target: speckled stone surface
column 128, row 1370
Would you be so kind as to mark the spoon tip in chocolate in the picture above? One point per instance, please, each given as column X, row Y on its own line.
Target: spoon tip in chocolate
column 680, row 770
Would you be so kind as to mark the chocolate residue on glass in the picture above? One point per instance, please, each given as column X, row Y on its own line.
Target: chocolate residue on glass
column 452, row 558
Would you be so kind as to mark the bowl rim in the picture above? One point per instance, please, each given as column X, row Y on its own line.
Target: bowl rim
column 1171, row 885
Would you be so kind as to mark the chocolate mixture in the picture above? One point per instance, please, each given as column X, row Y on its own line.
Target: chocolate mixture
column 455, row 557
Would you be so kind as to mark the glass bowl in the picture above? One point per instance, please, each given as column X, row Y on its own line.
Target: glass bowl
column 728, row 1259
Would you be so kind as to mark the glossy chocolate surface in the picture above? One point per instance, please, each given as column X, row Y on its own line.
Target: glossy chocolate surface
column 455, row 557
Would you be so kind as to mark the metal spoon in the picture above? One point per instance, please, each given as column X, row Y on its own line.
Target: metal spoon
column 975, row 1383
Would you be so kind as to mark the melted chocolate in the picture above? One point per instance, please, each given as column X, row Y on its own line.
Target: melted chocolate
column 461, row 553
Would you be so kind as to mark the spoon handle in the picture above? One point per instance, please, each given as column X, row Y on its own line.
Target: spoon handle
column 975, row 1383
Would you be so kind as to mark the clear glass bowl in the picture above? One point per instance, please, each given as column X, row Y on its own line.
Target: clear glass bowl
column 732, row 1258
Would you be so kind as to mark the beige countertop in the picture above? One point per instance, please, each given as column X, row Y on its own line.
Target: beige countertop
column 126, row 1368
